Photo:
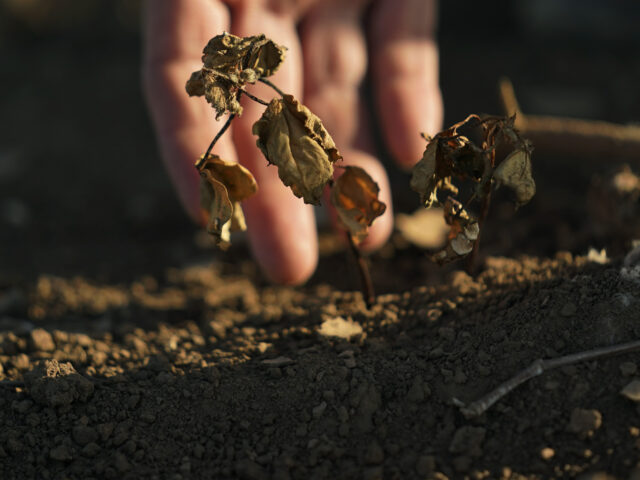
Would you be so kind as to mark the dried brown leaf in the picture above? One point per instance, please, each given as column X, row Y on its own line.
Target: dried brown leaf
column 294, row 139
column 238, row 181
column 515, row 173
column 231, row 55
column 424, row 180
column 355, row 197
column 231, row 62
column 214, row 199
column 463, row 233
column 223, row 186
column 218, row 91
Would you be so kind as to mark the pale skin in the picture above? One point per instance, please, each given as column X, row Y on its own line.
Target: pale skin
column 329, row 50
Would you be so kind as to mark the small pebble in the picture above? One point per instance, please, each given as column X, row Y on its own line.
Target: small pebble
column 319, row 410
column 632, row 391
column 584, row 421
column 62, row 453
column 547, row 453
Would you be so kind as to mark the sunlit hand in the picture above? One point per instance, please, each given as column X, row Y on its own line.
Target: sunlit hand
column 329, row 45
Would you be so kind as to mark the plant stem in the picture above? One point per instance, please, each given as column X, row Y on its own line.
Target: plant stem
column 217, row 137
column 363, row 269
column 254, row 98
column 484, row 211
column 267, row 82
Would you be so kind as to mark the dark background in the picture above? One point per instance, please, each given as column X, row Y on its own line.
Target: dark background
column 82, row 189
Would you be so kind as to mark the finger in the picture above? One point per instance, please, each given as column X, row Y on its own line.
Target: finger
column 175, row 32
column 404, row 60
column 281, row 227
column 335, row 63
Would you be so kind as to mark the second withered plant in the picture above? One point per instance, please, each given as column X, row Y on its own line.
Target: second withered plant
column 289, row 135
column 502, row 157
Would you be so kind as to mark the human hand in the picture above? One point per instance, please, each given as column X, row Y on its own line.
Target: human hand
column 325, row 63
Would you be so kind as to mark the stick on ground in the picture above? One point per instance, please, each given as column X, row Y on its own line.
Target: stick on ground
column 538, row 367
column 573, row 136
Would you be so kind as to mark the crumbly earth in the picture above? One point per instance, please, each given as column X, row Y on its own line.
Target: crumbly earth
column 201, row 374
column 130, row 349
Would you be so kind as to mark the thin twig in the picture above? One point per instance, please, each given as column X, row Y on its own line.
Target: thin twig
column 267, row 82
column 217, row 137
column 253, row 97
column 363, row 270
column 484, row 211
column 537, row 368
column 586, row 138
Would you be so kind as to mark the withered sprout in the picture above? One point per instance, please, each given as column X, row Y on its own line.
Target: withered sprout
column 451, row 157
column 289, row 135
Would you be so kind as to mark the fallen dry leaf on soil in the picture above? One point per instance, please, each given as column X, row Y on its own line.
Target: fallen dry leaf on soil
column 294, row 139
column 424, row 228
column 355, row 197
column 223, row 186
column 230, row 62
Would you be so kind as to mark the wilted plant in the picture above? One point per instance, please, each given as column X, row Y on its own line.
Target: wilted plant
column 450, row 156
column 289, row 135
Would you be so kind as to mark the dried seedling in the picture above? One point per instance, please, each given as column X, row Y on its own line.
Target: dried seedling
column 289, row 135
column 502, row 157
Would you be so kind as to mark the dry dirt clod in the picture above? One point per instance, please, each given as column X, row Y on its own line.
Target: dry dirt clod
column 83, row 435
column 56, row 384
column 339, row 327
column 41, row 340
column 468, row 439
column 584, row 421
column 61, row 453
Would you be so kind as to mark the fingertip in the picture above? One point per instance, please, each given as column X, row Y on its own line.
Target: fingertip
column 282, row 234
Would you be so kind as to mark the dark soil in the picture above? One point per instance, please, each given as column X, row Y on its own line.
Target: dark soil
column 130, row 349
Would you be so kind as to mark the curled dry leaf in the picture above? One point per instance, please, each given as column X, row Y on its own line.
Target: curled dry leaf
column 423, row 178
column 223, row 186
column 231, row 62
column 463, row 232
column 294, row 139
column 219, row 92
column 515, row 172
column 232, row 55
column 355, row 197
